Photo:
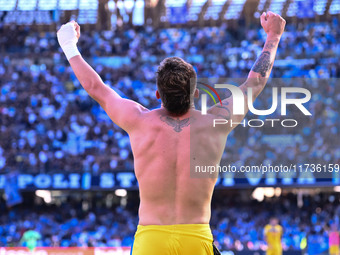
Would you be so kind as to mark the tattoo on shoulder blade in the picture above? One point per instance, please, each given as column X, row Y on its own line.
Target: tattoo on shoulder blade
column 262, row 64
column 225, row 115
column 176, row 123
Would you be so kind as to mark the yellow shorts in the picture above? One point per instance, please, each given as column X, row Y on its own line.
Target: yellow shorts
column 334, row 250
column 274, row 251
column 184, row 239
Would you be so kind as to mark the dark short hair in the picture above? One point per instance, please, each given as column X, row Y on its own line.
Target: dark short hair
column 176, row 83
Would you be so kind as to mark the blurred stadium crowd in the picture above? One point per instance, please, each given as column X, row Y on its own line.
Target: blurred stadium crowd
column 239, row 226
column 69, row 225
column 48, row 122
column 236, row 225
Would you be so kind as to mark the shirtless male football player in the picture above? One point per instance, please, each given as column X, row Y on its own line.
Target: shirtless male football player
column 174, row 210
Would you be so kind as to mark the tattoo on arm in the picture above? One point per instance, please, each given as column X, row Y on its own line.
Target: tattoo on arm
column 262, row 64
column 245, row 91
column 271, row 44
column 176, row 123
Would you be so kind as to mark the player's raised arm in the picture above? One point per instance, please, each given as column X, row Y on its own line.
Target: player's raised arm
column 273, row 24
column 125, row 113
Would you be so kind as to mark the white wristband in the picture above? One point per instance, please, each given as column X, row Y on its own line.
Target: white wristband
column 70, row 51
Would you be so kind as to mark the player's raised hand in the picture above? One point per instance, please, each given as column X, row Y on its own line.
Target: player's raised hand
column 272, row 23
column 68, row 36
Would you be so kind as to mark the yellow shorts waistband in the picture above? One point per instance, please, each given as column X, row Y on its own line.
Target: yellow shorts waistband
column 195, row 230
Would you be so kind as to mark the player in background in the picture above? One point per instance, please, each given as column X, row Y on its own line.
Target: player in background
column 273, row 235
column 334, row 240
column 30, row 239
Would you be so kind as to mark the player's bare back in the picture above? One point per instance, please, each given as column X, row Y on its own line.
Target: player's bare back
column 162, row 151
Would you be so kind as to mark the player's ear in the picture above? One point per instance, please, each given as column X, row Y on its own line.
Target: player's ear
column 158, row 96
column 196, row 93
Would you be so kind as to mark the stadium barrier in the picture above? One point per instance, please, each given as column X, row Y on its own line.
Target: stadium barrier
column 258, row 252
column 106, row 251
column 65, row 251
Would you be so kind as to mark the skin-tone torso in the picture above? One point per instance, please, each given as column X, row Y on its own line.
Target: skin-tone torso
column 162, row 150
column 167, row 148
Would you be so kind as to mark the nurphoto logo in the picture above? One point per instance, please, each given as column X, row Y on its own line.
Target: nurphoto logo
column 239, row 100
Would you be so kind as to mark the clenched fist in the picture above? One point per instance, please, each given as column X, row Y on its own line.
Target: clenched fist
column 68, row 36
column 272, row 23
